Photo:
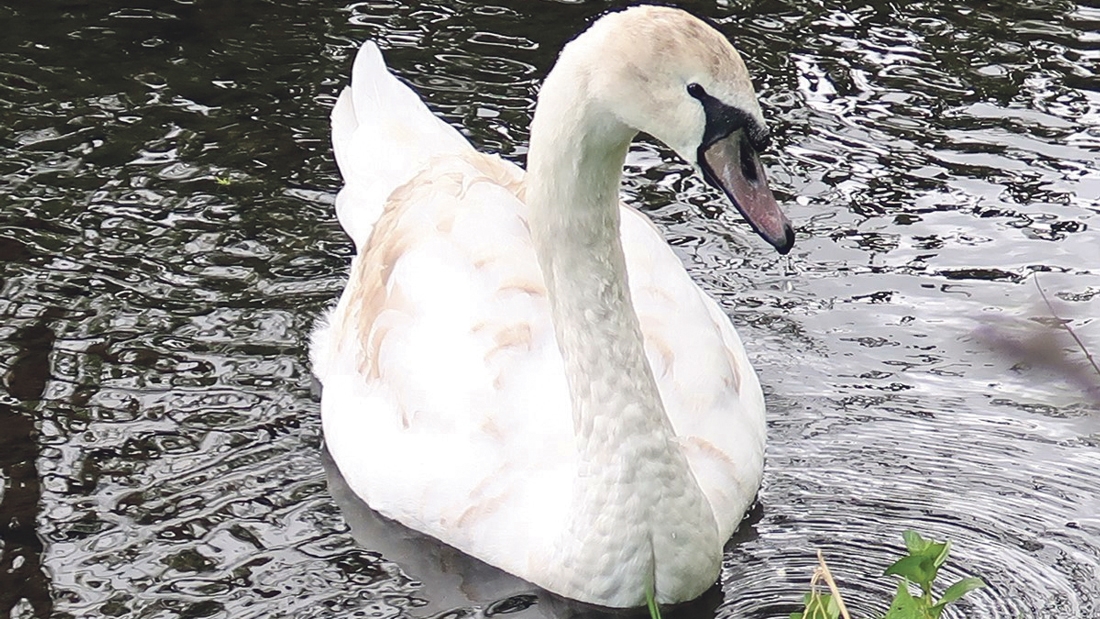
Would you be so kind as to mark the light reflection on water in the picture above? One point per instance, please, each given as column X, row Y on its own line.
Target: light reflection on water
column 168, row 236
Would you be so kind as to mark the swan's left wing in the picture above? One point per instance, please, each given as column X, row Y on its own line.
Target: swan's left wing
column 383, row 135
column 707, row 384
column 445, row 404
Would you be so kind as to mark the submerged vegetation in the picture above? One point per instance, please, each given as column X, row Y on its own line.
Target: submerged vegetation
column 1038, row 343
column 919, row 567
column 1065, row 324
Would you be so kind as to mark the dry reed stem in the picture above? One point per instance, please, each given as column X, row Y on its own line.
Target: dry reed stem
column 1065, row 325
column 823, row 573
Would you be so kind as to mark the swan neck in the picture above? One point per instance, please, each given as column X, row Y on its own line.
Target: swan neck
column 634, row 498
column 578, row 149
column 631, row 474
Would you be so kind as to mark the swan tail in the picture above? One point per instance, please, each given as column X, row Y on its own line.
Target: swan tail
column 382, row 135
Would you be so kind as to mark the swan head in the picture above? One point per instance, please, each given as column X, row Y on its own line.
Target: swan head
column 667, row 73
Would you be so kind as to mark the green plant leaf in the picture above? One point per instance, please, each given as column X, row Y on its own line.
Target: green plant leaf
column 920, row 567
column 959, row 589
column 939, row 553
column 904, row 606
column 915, row 568
column 651, row 604
column 818, row 607
column 914, row 543
column 825, row 607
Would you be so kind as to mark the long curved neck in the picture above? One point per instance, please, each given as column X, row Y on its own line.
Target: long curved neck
column 627, row 456
column 574, row 170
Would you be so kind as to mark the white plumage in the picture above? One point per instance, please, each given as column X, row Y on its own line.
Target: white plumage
column 483, row 375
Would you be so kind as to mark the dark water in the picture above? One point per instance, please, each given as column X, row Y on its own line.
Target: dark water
column 167, row 236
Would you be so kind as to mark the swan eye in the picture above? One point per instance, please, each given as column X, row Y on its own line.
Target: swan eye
column 695, row 90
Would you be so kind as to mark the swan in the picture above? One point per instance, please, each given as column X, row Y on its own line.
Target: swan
column 519, row 365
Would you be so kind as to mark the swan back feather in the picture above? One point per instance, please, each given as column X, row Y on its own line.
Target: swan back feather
column 379, row 109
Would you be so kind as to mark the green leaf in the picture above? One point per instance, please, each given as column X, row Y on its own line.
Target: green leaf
column 651, row 604
column 914, row 543
column 914, row 568
column 904, row 605
column 940, row 551
column 818, row 607
column 959, row 589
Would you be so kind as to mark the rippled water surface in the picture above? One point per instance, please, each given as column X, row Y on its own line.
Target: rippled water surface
column 167, row 237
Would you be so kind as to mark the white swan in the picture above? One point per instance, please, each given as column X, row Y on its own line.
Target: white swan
column 520, row 366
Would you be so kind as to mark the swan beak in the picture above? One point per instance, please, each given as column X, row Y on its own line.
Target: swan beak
column 732, row 165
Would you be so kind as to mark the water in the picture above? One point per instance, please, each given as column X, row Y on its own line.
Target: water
column 167, row 236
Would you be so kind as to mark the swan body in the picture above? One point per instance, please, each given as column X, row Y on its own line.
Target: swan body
column 519, row 365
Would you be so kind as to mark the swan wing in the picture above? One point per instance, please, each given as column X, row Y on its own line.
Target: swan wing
column 709, row 389
column 445, row 404
column 382, row 135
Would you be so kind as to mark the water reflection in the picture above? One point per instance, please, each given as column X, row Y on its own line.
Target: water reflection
column 166, row 237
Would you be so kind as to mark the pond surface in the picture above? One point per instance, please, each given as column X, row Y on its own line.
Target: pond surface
column 167, row 238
